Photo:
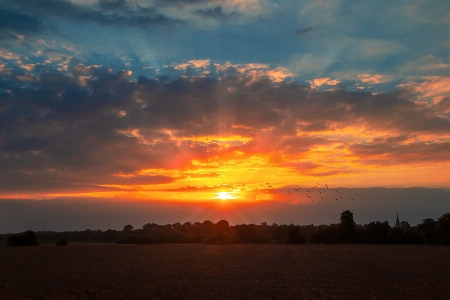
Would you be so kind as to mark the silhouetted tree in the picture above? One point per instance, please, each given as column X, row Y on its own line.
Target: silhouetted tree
column 427, row 227
column 405, row 225
column 295, row 235
column 127, row 228
column 149, row 225
column 376, row 232
column 397, row 236
column 245, row 233
column 442, row 229
column 348, row 225
column 222, row 226
column 347, row 228
column 326, row 234
column 207, row 227
column 27, row 238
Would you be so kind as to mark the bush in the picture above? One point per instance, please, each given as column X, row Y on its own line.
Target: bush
column 27, row 238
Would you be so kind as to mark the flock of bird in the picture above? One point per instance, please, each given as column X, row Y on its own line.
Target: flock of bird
column 309, row 193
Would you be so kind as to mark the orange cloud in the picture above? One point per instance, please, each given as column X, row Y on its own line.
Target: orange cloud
column 323, row 81
column 371, row 78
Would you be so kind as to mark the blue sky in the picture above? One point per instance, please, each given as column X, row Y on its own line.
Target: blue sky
column 206, row 100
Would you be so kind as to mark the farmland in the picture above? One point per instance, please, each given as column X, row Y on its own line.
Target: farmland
column 110, row 271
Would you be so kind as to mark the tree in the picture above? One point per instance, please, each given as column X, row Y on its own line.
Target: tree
column 128, row 228
column 348, row 225
column 397, row 236
column 295, row 235
column 222, row 226
column 245, row 233
column 377, row 232
column 442, row 229
column 427, row 227
column 27, row 238
column 326, row 234
column 148, row 226
column 405, row 225
column 207, row 227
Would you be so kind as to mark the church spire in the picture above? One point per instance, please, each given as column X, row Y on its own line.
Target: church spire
column 397, row 222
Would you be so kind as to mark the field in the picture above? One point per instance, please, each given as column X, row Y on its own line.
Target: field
column 225, row 272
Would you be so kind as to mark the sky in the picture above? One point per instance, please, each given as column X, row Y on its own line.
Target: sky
column 223, row 105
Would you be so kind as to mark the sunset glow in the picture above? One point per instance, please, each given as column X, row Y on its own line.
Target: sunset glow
column 221, row 101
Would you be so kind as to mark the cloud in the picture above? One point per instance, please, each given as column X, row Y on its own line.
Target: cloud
column 113, row 5
column 194, row 63
column 77, row 130
column 216, row 13
column 254, row 71
column 391, row 152
column 304, row 30
column 323, row 81
column 180, row 2
column 13, row 23
column 433, row 88
column 371, row 78
column 428, row 64
column 200, row 63
column 4, row 69
column 124, row 13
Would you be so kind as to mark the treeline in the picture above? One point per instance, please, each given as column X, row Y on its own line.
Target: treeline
column 86, row 236
column 430, row 231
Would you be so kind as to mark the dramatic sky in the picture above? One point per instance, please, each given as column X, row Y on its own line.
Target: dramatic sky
column 225, row 101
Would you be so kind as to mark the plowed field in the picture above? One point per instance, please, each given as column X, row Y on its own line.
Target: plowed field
column 225, row 272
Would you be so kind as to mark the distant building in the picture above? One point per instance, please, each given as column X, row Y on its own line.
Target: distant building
column 397, row 222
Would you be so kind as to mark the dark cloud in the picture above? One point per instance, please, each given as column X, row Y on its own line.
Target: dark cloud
column 216, row 13
column 13, row 23
column 392, row 153
column 113, row 4
column 180, row 2
column 304, row 30
column 111, row 13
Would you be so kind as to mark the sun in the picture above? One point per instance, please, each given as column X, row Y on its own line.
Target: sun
column 224, row 196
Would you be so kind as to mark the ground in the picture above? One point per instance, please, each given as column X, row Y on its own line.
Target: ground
column 225, row 272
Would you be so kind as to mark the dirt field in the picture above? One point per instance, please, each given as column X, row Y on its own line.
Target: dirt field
column 225, row 272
